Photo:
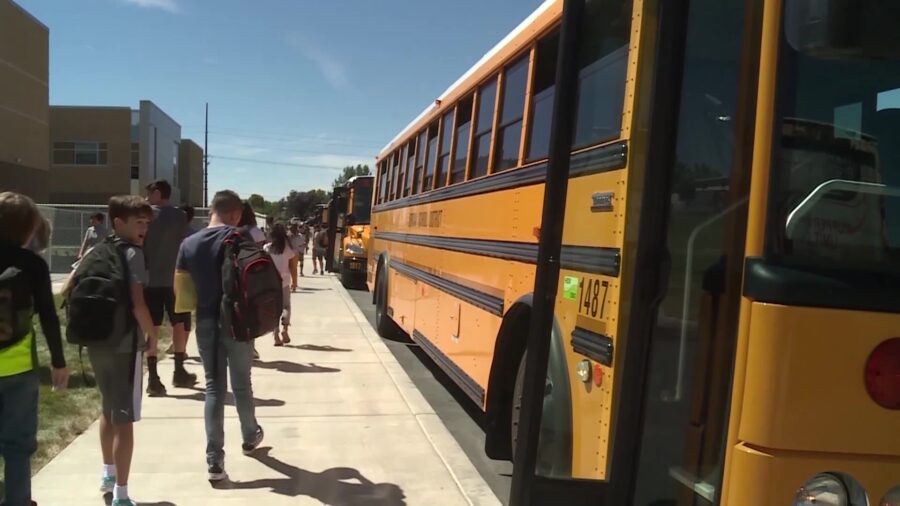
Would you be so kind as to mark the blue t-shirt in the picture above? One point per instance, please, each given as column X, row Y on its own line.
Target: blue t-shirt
column 199, row 255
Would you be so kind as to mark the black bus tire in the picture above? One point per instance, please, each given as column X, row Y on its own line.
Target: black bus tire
column 516, row 407
column 383, row 323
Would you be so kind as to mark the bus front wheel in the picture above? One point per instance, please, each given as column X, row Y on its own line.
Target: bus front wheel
column 383, row 323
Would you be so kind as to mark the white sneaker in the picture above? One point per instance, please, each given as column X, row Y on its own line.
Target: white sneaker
column 107, row 483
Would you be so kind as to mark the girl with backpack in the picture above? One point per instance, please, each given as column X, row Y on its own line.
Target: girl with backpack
column 281, row 252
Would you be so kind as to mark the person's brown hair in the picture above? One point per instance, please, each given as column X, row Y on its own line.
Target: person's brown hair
column 128, row 206
column 18, row 218
column 225, row 202
column 165, row 189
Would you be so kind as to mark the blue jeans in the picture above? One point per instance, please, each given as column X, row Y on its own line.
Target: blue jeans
column 220, row 352
column 18, row 434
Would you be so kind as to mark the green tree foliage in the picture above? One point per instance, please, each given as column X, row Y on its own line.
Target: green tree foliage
column 351, row 172
column 301, row 204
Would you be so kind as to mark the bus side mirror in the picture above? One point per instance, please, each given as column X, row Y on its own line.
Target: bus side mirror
column 844, row 29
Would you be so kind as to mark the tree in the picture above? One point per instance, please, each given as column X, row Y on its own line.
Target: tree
column 301, row 204
column 351, row 172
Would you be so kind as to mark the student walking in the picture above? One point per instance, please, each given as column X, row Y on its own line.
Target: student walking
column 199, row 272
column 282, row 254
column 164, row 236
column 25, row 277
column 94, row 234
column 115, row 336
column 320, row 245
column 296, row 242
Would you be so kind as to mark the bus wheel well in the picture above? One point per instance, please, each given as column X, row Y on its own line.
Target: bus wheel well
column 510, row 346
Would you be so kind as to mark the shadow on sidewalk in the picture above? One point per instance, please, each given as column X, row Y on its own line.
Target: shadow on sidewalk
column 311, row 290
column 332, row 486
column 314, row 347
column 108, row 497
column 292, row 367
column 200, row 395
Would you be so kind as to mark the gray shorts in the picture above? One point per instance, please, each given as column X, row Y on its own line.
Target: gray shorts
column 120, row 379
column 319, row 253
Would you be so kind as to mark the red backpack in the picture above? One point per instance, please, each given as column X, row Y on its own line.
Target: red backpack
column 251, row 289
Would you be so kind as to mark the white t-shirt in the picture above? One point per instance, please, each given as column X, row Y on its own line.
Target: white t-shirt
column 282, row 263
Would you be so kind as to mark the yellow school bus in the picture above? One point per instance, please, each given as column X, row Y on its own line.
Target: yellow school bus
column 356, row 231
column 658, row 243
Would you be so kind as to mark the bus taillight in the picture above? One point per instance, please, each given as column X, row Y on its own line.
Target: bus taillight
column 883, row 374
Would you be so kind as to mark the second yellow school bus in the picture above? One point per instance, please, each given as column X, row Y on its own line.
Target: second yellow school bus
column 726, row 319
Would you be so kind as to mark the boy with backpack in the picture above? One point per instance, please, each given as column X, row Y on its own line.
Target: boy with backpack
column 25, row 289
column 107, row 314
column 238, row 295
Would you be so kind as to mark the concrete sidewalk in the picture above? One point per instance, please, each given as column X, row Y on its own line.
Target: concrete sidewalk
column 344, row 426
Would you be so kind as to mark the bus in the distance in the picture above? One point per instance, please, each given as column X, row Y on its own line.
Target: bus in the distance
column 356, row 231
column 703, row 198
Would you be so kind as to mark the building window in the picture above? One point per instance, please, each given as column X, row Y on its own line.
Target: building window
column 135, row 160
column 80, row 153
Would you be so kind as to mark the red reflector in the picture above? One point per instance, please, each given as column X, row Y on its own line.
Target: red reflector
column 598, row 375
column 883, row 374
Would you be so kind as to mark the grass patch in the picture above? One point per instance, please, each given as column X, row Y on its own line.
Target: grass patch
column 63, row 416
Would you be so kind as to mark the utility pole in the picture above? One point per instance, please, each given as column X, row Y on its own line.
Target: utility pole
column 206, row 159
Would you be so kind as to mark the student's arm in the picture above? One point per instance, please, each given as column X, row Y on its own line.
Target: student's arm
column 138, row 278
column 46, row 310
column 185, row 292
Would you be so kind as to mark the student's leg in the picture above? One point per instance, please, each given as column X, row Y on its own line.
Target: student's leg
column 292, row 265
column 18, row 433
column 212, row 353
column 107, row 439
column 300, row 256
column 240, row 360
column 123, row 450
column 155, row 299
column 286, row 317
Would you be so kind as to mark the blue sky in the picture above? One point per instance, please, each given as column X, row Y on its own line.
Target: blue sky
column 323, row 83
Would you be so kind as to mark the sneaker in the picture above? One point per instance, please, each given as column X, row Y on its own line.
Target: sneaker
column 107, row 484
column 216, row 472
column 257, row 440
column 155, row 388
column 184, row 379
column 123, row 502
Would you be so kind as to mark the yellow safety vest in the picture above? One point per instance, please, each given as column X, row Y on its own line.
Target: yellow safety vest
column 17, row 358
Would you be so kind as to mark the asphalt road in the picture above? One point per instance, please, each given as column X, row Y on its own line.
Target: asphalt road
column 459, row 414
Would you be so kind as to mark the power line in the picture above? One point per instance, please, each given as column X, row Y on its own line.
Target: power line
column 293, row 150
column 290, row 135
column 334, row 142
column 273, row 162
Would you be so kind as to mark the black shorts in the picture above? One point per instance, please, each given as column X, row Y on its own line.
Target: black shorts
column 162, row 300
column 119, row 379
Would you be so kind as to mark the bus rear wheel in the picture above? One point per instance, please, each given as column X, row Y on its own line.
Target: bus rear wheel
column 383, row 323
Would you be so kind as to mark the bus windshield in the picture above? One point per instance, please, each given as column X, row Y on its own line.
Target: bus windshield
column 836, row 163
column 362, row 200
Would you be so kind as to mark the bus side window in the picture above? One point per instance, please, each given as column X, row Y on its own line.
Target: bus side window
column 509, row 131
column 428, row 179
column 484, row 127
column 420, row 160
column 443, row 162
column 601, row 80
column 461, row 149
column 395, row 174
column 543, row 86
column 410, row 165
column 382, row 181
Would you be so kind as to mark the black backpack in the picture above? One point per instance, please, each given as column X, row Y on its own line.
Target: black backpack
column 99, row 307
column 251, row 289
column 16, row 306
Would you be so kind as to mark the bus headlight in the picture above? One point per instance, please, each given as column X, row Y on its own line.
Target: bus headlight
column 892, row 498
column 831, row 489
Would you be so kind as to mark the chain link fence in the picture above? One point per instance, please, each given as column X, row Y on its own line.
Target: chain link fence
column 69, row 224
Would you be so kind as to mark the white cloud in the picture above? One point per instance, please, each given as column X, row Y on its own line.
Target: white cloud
column 331, row 69
column 166, row 5
column 335, row 161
